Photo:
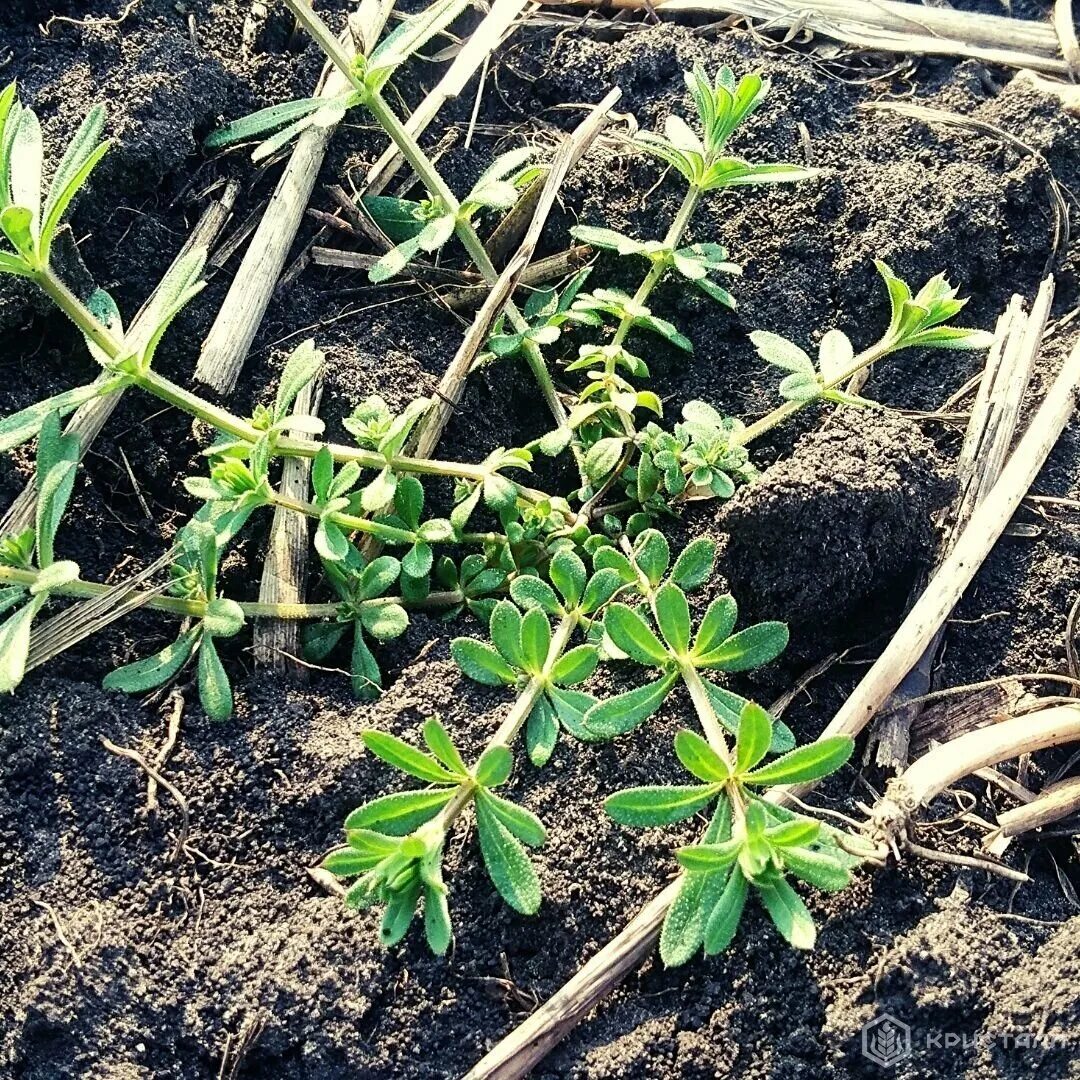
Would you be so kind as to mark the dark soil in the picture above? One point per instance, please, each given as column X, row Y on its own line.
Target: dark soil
column 231, row 961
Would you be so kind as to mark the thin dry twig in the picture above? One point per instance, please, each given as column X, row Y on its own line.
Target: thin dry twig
column 884, row 26
column 285, row 567
column 172, row 789
column 176, row 712
column 58, row 926
column 241, row 313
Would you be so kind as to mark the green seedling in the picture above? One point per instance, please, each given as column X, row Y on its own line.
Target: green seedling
column 370, row 77
column 194, row 578
column 395, row 843
column 365, row 610
column 750, row 844
column 475, row 582
column 30, row 213
column 34, row 549
column 498, row 189
column 917, row 321
column 677, row 654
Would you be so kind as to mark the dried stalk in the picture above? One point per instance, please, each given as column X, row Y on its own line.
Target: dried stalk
column 483, row 41
column 885, row 26
column 989, row 436
column 277, row 641
column 515, row 1055
column 88, row 420
column 961, row 757
column 1058, row 801
column 234, row 329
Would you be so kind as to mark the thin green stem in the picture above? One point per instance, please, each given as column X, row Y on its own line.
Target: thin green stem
column 515, row 719
column 223, row 420
column 671, row 241
column 196, row 609
column 789, row 408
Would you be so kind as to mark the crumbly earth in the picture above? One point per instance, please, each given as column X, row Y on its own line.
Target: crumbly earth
column 122, row 962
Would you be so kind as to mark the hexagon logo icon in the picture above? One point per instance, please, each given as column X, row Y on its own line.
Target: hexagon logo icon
column 886, row 1041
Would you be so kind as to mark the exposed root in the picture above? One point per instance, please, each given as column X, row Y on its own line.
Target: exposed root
column 172, row 789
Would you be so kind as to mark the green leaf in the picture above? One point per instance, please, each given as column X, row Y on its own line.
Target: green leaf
column 601, row 588
column 631, row 633
column 568, row 575
column 699, row 758
column 673, row 617
column 530, row 592
column 524, row 824
column 398, row 218
column 409, row 501
column 55, row 576
column 708, row 858
column 180, row 285
column 399, row 814
column 407, row 759
column 494, row 766
column 57, row 459
column 535, row 640
column 575, row 666
column 805, row 763
column 366, row 678
column 652, row 554
column 348, row 862
column 507, row 863
column 264, row 120
column 505, row 629
column 400, row 910
column 724, row 918
column 27, row 155
column 384, row 622
column 301, row 367
column 602, row 458
column 717, row 624
column 788, row 912
column 754, row 738
column 417, row 561
column 618, row 715
column 411, row 35
column 607, row 239
column 481, row 662
column 655, row 805
column 750, row 648
column 541, row 731
column 729, row 707
column 82, row 154
column 816, row 868
column 378, row 576
column 380, row 492
column 153, row 671
column 223, row 618
column 441, row 745
column 215, row 693
column 777, row 350
column 695, row 565
column 437, row 928
column 15, row 646
column 570, row 707
column 683, row 926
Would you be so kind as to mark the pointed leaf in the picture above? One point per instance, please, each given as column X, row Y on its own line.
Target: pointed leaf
column 805, row 763
column 659, row 805
column 406, row 758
